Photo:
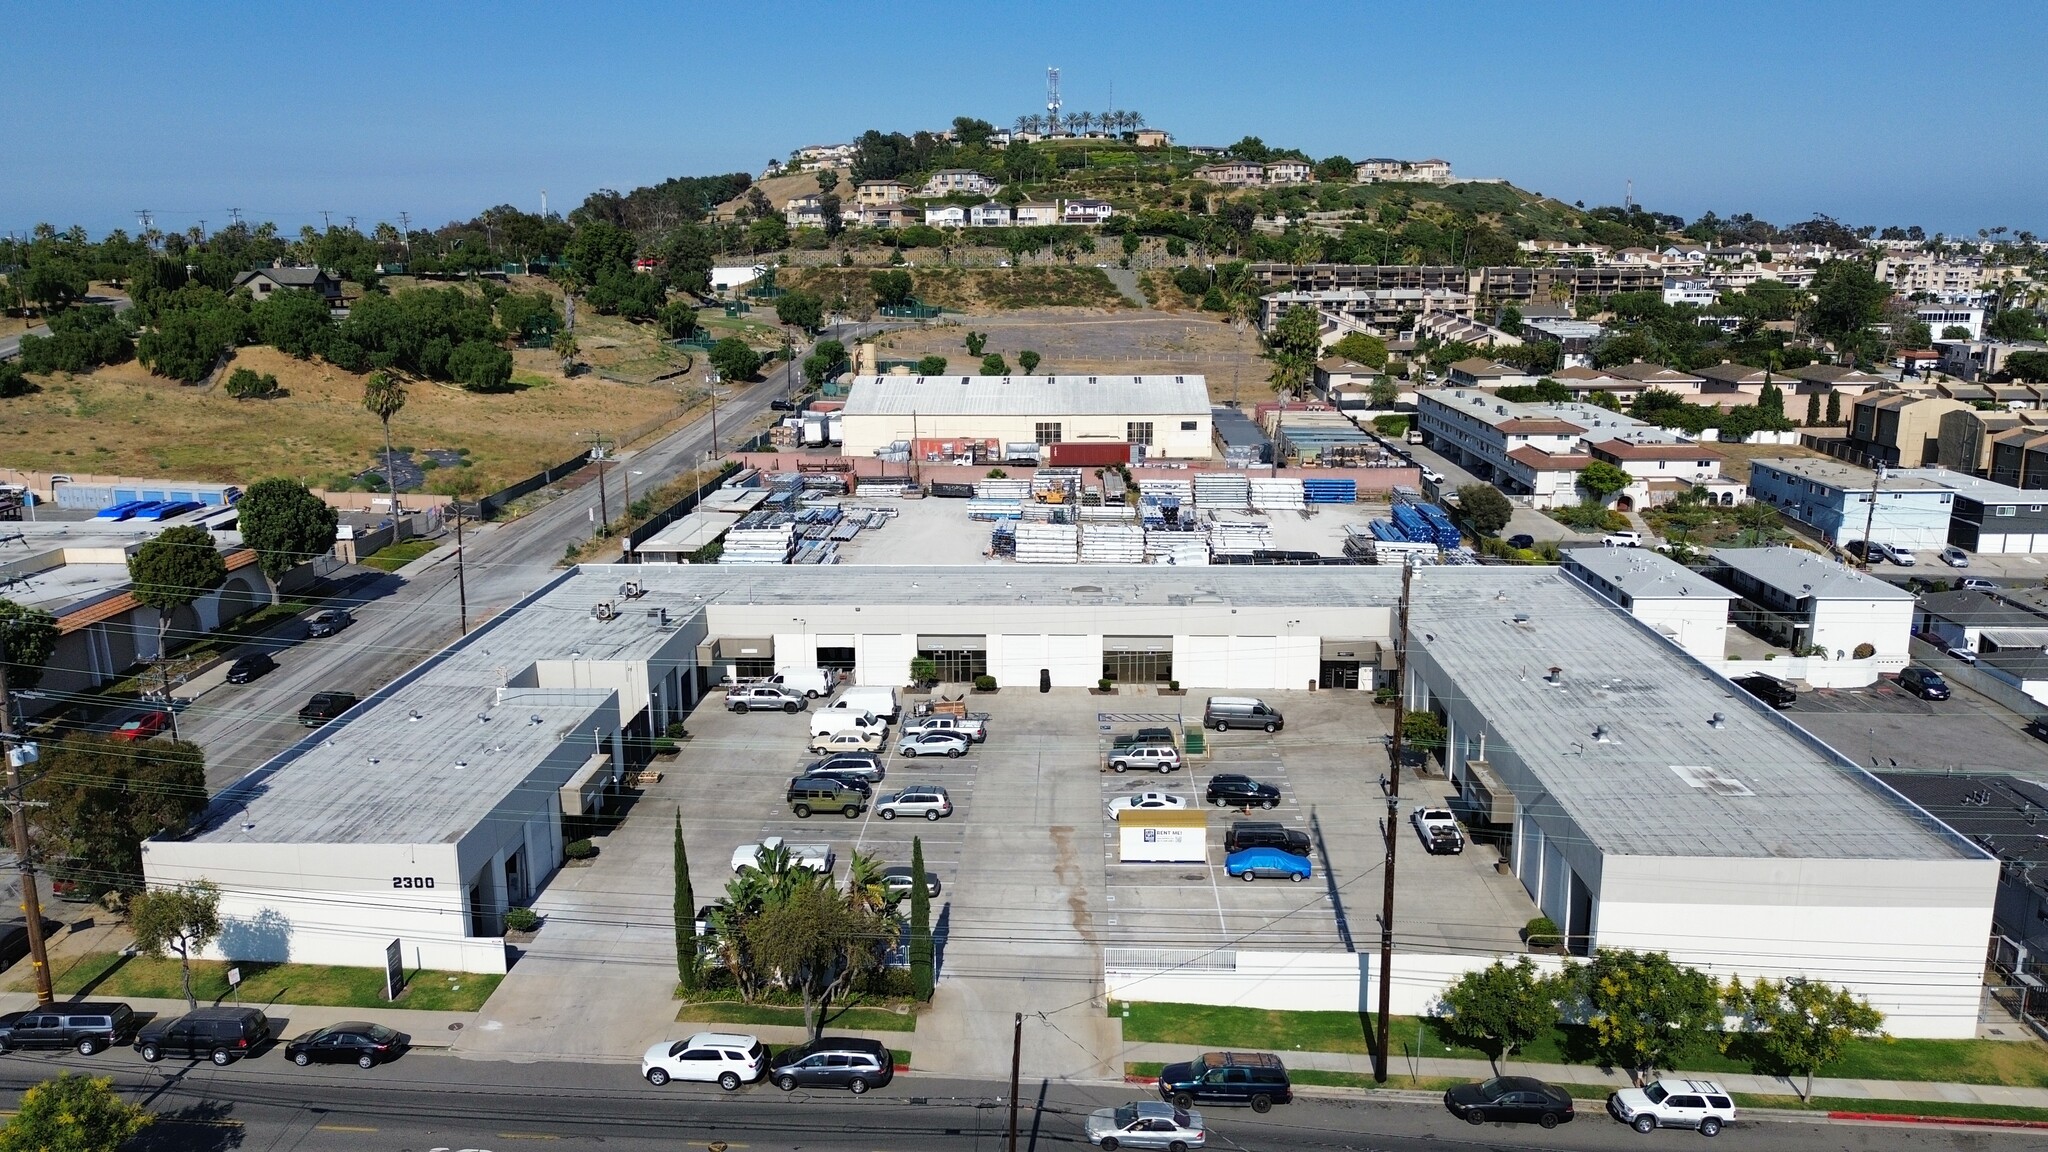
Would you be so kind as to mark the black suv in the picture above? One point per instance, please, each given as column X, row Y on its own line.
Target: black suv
column 1144, row 738
column 250, row 667
column 1242, row 792
column 1262, row 834
column 1255, row 1078
column 1925, row 683
column 221, row 1035
column 325, row 706
column 1768, row 689
column 88, row 1027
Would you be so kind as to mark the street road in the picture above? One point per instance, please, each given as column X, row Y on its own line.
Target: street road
column 429, row 1100
column 402, row 620
column 10, row 346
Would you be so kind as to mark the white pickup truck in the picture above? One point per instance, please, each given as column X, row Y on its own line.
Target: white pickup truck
column 816, row 857
column 1441, row 835
column 974, row 725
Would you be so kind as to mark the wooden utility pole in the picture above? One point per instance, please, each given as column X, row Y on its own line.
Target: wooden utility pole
column 1016, row 1060
column 1389, row 830
column 17, row 804
column 461, row 584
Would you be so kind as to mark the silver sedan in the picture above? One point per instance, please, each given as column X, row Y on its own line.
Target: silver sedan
column 1146, row 1124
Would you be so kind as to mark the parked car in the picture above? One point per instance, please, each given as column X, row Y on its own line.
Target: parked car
column 357, row 1042
column 328, row 622
column 780, row 405
column 725, row 1058
column 1925, row 683
column 812, row 682
column 1146, row 1124
column 250, row 667
column 847, row 1062
column 1440, row 831
column 1255, row 1078
column 1768, row 689
column 1241, row 791
column 1954, row 557
column 1432, row 475
column 880, row 701
column 933, row 744
column 1699, row 1104
column 808, row 794
column 1521, row 540
column 827, row 721
column 1958, row 652
column 896, row 882
column 1226, row 712
column 1143, row 737
column 1155, row 757
column 1244, row 834
column 1146, row 802
column 764, row 697
column 1629, row 539
column 1863, row 551
column 222, row 1035
column 849, row 740
column 14, row 938
column 1978, row 584
column 1277, row 863
column 325, row 706
column 851, row 780
column 927, row 800
column 865, row 765
column 141, row 727
column 1895, row 553
column 2037, row 728
column 974, row 725
column 87, row 1026
column 1511, row 1099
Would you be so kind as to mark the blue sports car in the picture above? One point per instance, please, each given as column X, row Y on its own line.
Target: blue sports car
column 1252, row 863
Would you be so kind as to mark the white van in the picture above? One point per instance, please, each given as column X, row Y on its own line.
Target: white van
column 827, row 721
column 880, row 701
column 812, row 682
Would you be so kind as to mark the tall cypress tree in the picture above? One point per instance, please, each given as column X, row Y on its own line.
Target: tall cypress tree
column 921, row 973
column 687, row 969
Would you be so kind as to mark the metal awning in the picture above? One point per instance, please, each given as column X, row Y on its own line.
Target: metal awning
column 2022, row 638
column 1137, row 644
column 1491, row 799
column 584, row 793
column 952, row 643
column 1363, row 651
column 1390, row 660
column 734, row 648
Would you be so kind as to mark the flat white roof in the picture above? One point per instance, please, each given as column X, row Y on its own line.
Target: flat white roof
column 1099, row 395
column 1799, row 574
column 1849, row 477
column 1646, row 575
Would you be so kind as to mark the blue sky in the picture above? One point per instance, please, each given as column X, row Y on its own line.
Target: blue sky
column 1872, row 112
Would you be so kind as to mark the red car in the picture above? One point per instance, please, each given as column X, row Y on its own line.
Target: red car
column 142, row 727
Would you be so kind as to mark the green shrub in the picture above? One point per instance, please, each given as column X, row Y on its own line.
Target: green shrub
column 580, row 850
column 985, row 683
column 523, row 919
column 675, row 730
column 923, row 671
column 1105, row 684
column 244, row 384
column 1542, row 932
column 1865, row 650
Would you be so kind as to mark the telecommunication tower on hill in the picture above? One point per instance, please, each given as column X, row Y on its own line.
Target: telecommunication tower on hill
column 1052, row 95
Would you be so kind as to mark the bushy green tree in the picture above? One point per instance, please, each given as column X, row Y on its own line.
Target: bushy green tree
column 678, row 320
column 1028, row 360
column 976, row 341
column 993, row 365
column 1500, row 1008
column 80, row 340
column 623, row 292
column 172, row 570
column 735, row 360
column 801, row 309
column 529, row 315
column 932, row 366
column 1484, row 508
column 1292, row 347
column 481, row 366
column 1601, row 480
column 73, row 1113
column 98, row 800
column 1644, row 1010
column 1797, row 1027
column 893, row 288
column 1359, row 348
column 181, row 920
column 295, row 321
column 599, row 247
column 27, row 637
column 286, row 524
column 1847, row 299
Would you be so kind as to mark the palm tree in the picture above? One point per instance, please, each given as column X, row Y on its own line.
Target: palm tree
column 1134, row 119
column 1026, row 124
column 384, row 395
column 566, row 347
column 865, row 891
column 1087, row 119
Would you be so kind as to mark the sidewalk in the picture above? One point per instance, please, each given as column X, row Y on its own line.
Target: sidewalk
column 1590, row 1076
column 427, row 1029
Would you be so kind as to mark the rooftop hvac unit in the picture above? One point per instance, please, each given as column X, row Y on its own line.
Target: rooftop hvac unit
column 604, row 610
column 631, row 590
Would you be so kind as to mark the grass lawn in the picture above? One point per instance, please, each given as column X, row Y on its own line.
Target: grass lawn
column 855, row 1019
column 1893, row 1107
column 395, row 556
column 109, row 974
column 2018, row 1063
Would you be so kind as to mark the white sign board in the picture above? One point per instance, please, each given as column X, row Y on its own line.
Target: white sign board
column 1143, row 843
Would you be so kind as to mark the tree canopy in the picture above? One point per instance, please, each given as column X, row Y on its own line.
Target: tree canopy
column 286, row 524
column 1501, row 1007
column 100, row 799
column 736, row 361
column 1644, row 1010
column 181, row 920
column 1485, row 508
column 175, row 568
column 1292, row 346
column 73, row 1113
column 27, row 637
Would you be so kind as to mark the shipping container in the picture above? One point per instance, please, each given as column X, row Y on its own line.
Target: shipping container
column 1100, row 455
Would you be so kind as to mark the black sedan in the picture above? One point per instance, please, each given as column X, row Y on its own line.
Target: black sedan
column 1512, row 1099
column 328, row 622
column 250, row 667
column 1242, row 791
column 352, row 1041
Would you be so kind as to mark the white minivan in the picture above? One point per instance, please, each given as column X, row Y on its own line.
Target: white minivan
column 812, row 682
column 827, row 721
column 879, row 700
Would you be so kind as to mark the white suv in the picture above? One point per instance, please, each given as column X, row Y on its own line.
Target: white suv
column 1156, row 757
column 1623, row 539
column 1700, row 1104
column 728, row 1058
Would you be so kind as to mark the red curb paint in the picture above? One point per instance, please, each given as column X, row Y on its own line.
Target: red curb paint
column 1147, row 1081
column 902, row 1067
column 1966, row 1121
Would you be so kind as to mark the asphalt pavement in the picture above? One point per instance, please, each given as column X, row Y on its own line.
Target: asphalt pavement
column 405, row 617
column 430, row 1101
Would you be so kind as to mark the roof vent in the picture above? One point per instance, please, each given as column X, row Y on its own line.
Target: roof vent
column 533, row 719
column 1556, row 675
column 632, row 590
column 459, row 764
column 415, row 717
column 1601, row 735
column 1717, row 720
column 1521, row 617
column 483, row 717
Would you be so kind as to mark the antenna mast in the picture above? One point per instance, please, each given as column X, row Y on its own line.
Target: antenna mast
column 1052, row 99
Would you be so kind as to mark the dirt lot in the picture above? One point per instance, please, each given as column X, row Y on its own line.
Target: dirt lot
column 1137, row 342
column 123, row 420
column 1739, row 455
column 971, row 290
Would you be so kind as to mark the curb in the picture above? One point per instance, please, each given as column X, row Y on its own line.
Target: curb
column 1961, row 1121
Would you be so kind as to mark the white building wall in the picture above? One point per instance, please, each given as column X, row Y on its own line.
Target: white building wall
column 864, row 434
column 1907, row 934
column 1298, row 981
column 1840, row 625
column 1698, row 626
column 884, row 660
column 1074, row 661
column 1246, row 662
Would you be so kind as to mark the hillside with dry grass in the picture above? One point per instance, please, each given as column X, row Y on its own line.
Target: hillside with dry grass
column 971, row 290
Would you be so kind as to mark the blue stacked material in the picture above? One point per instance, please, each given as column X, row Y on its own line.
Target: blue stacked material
column 1003, row 541
column 1443, row 532
column 1328, row 490
column 1387, row 530
column 1409, row 519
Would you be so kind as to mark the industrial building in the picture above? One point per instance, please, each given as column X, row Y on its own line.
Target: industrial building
column 1164, row 416
column 1684, row 606
column 1644, row 801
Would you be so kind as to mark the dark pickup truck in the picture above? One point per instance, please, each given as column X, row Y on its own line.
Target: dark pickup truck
column 1265, row 834
column 325, row 706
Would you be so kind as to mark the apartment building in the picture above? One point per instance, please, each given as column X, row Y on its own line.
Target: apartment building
column 1899, row 429
column 1374, row 311
column 880, row 193
column 1537, row 450
column 1232, row 174
column 958, row 182
column 1940, row 318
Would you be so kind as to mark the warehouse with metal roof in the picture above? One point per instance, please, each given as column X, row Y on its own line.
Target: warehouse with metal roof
column 1166, row 415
